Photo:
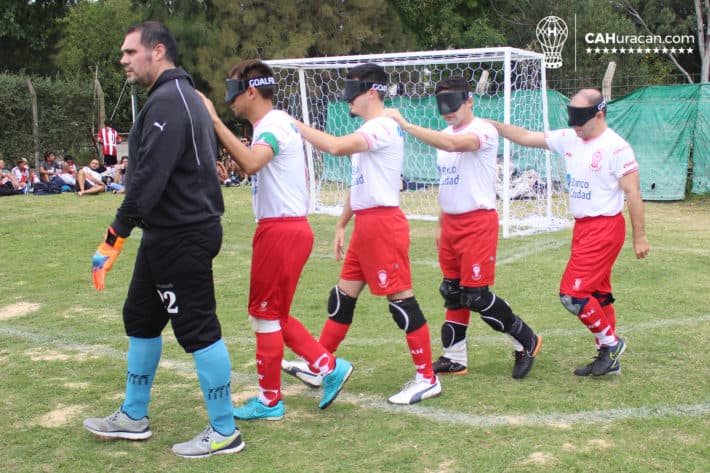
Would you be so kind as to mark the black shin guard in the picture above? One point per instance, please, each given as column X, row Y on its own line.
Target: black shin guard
column 452, row 333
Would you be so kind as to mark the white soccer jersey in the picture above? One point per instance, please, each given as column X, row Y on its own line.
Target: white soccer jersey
column 376, row 173
column 594, row 168
column 279, row 189
column 467, row 180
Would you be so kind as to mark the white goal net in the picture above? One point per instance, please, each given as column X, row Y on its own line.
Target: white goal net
column 508, row 85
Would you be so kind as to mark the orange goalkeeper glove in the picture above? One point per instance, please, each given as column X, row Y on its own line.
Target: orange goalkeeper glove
column 105, row 255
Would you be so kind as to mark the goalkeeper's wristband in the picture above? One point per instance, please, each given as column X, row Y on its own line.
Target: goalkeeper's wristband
column 113, row 240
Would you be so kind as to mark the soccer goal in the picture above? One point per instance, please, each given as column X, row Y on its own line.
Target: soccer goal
column 508, row 86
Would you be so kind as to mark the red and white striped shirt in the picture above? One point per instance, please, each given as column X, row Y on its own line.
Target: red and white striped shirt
column 109, row 138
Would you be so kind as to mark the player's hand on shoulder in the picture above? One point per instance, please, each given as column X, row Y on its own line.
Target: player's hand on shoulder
column 394, row 114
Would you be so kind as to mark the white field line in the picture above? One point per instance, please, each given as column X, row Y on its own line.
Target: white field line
column 443, row 416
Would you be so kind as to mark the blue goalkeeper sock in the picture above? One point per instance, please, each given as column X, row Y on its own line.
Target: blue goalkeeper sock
column 214, row 370
column 143, row 357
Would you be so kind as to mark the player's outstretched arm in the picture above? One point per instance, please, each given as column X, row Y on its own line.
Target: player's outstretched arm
column 335, row 145
column 519, row 135
column 630, row 183
column 447, row 142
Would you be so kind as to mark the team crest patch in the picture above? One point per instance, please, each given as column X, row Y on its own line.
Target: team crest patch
column 596, row 159
column 476, row 272
column 577, row 283
column 382, row 277
column 262, row 306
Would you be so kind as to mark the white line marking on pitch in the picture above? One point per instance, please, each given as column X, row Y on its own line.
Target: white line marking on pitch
column 560, row 420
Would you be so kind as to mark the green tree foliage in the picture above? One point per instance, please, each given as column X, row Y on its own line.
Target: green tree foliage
column 445, row 24
column 272, row 29
column 518, row 21
column 64, row 115
column 91, row 46
column 28, row 34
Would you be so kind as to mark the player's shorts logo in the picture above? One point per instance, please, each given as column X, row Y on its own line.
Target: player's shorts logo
column 262, row 306
column 382, row 277
column 476, row 272
column 577, row 283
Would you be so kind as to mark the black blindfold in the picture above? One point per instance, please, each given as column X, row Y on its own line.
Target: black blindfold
column 578, row 116
column 355, row 87
column 449, row 102
column 236, row 87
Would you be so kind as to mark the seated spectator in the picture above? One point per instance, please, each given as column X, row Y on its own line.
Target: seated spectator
column 23, row 176
column 8, row 183
column 69, row 159
column 88, row 179
column 48, row 167
column 68, row 175
column 118, row 186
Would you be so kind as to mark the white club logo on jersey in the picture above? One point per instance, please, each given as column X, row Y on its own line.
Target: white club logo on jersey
column 382, row 276
column 596, row 159
column 476, row 271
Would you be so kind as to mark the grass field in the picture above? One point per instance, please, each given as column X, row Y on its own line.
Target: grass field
column 62, row 353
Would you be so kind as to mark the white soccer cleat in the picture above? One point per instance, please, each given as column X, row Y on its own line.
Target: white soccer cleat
column 415, row 391
column 301, row 371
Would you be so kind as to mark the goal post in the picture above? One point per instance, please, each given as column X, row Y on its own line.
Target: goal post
column 509, row 86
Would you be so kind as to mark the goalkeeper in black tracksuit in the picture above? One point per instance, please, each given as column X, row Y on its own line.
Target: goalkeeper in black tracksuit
column 173, row 194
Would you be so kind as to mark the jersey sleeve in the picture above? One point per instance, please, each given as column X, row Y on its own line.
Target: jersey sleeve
column 556, row 139
column 487, row 136
column 623, row 161
column 377, row 134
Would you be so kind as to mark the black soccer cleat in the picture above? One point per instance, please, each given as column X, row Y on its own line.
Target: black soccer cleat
column 524, row 359
column 607, row 358
column 446, row 366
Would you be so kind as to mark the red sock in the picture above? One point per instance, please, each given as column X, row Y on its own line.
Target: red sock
column 332, row 334
column 458, row 316
column 420, row 349
column 300, row 340
column 592, row 316
column 610, row 314
column 269, row 352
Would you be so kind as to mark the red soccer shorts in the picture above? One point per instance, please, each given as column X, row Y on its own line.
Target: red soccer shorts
column 280, row 249
column 379, row 251
column 468, row 245
column 596, row 243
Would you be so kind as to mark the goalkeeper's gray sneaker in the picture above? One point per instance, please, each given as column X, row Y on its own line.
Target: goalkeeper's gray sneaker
column 119, row 425
column 301, row 371
column 210, row 442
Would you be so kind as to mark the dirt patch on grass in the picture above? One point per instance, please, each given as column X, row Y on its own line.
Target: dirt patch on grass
column 59, row 417
column 19, row 309
column 540, row 458
column 45, row 354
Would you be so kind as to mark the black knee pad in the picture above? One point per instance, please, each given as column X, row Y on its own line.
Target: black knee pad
column 476, row 298
column 452, row 333
column 407, row 314
column 604, row 298
column 450, row 290
column 341, row 306
column 573, row 304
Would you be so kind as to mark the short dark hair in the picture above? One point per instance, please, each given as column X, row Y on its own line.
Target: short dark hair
column 369, row 72
column 251, row 69
column 48, row 154
column 453, row 83
column 154, row 33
